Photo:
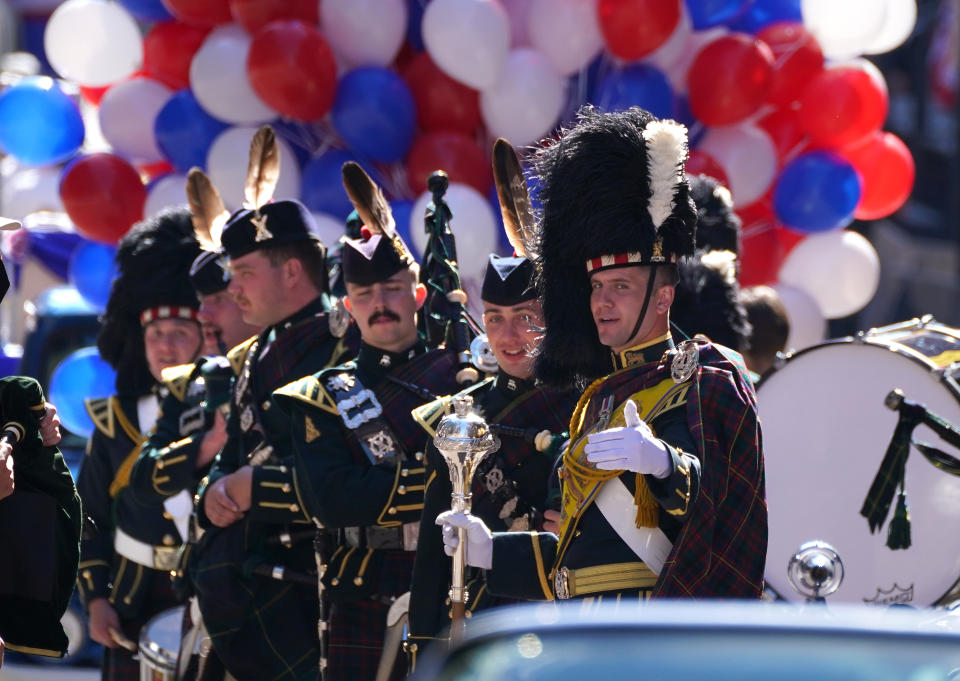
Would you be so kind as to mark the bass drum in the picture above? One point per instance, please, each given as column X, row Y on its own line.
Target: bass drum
column 159, row 644
column 825, row 432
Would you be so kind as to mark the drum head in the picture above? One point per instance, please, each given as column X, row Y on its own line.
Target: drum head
column 825, row 432
column 160, row 639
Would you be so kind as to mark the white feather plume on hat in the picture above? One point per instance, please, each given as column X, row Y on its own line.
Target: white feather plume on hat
column 666, row 154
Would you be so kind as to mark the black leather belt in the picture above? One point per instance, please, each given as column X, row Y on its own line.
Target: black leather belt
column 382, row 538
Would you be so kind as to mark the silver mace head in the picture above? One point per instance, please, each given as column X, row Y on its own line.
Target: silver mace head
column 464, row 439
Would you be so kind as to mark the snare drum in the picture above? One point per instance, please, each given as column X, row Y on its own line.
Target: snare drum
column 825, row 432
column 159, row 643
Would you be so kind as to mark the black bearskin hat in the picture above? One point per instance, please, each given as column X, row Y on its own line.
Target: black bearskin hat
column 707, row 299
column 153, row 266
column 718, row 227
column 613, row 192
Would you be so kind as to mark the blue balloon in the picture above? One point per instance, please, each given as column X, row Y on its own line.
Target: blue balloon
column 375, row 114
column 184, row 131
column 637, row 85
column 53, row 248
column 816, row 192
column 709, row 13
column 321, row 184
column 82, row 374
column 147, row 10
column 92, row 271
column 415, row 9
column 761, row 13
column 39, row 124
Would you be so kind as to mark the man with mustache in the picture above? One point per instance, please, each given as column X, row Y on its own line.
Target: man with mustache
column 361, row 453
column 663, row 484
column 250, row 505
column 510, row 488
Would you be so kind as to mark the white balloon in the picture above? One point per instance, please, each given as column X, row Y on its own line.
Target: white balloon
column 30, row 190
column 474, row 227
column 566, row 32
column 169, row 190
column 93, row 42
column 844, row 28
column 227, row 163
column 839, row 269
column 328, row 228
column 218, row 78
column 747, row 155
column 690, row 45
column 901, row 18
column 365, row 32
column 807, row 323
column 527, row 101
column 127, row 113
column 467, row 39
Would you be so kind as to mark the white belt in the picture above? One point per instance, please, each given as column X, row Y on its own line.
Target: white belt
column 649, row 543
column 142, row 553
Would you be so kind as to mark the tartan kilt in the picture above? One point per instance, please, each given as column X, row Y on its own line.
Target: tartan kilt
column 118, row 663
column 260, row 628
column 357, row 629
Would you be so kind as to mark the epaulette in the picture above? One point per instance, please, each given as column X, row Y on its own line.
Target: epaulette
column 101, row 413
column 177, row 379
column 309, row 390
column 238, row 354
column 429, row 414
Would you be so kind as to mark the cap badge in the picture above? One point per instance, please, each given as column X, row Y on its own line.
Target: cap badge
column 260, row 222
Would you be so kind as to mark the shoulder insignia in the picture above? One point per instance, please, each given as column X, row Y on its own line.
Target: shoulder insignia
column 310, row 430
column 101, row 413
column 309, row 390
column 429, row 414
column 238, row 354
column 177, row 379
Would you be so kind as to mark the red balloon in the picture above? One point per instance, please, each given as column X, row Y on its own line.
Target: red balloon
column 797, row 59
column 458, row 155
column 702, row 163
column 785, row 130
column 199, row 12
column 729, row 79
column 443, row 104
column 764, row 243
column 93, row 94
column 151, row 171
column 634, row 28
column 887, row 172
column 168, row 49
column 103, row 196
column 843, row 105
column 291, row 68
column 255, row 14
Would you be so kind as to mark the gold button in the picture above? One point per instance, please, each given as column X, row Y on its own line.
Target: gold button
column 412, row 647
column 401, row 490
column 265, row 405
column 418, row 456
column 283, row 469
column 87, row 574
column 392, row 510
column 334, row 582
column 168, row 540
column 160, row 464
column 404, row 472
column 173, row 574
column 167, row 516
column 286, row 488
column 358, row 581
column 294, row 508
column 447, row 602
column 468, row 614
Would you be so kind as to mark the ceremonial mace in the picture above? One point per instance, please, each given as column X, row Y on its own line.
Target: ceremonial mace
column 464, row 439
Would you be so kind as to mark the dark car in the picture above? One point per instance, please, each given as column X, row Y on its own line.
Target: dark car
column 708, row 641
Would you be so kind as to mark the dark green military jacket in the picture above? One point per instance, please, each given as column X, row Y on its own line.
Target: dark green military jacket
column 39, row 530
column 265, row 628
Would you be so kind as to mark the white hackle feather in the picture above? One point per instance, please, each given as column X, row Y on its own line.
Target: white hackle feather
column 666, row 153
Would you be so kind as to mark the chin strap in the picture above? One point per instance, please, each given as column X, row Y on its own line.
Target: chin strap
column 646, row 301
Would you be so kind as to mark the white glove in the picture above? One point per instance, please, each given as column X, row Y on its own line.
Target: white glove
column 479, row 549
column 630, row 448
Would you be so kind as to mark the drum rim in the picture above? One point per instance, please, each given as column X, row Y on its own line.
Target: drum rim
column 153, row 651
